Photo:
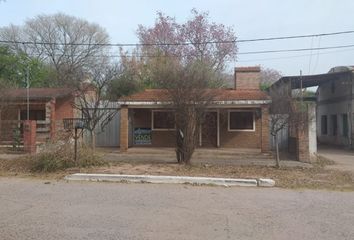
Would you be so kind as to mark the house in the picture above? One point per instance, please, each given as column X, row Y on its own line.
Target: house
column 333, row 110
column 48, row 106
column 236, row 118
column 335, row 107
column 334, row 103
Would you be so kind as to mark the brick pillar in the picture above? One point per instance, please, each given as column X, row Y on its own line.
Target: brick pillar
column 265, row 145
column 124, row 125
column 50, row 117
column 29, row 136
column 303, row 151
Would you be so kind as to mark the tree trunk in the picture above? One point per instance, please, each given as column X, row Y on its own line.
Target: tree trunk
column 277, row 160
column 92, row 140
column 186, row 136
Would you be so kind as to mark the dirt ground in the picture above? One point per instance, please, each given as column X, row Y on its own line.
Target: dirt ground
column 246, row 165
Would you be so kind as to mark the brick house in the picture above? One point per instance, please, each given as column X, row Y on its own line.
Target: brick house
column 48, row 106
column 237, row 117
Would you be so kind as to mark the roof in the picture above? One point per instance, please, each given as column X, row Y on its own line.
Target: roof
column 248, row 69
column 38, row 93
column 161, row 95
column 317, row 79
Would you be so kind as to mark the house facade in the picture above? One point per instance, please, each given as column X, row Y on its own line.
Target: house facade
column 236, row 118
column 335, row 108
column 48, row 106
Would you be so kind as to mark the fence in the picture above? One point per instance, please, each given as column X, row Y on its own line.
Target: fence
column 11, row 134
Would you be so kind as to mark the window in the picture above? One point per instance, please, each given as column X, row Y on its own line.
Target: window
column 333, row 87
column 163, row 120
column 241, row 121
column 33, row 115
column 334, row 125
column 324, row 125
column 345, row 124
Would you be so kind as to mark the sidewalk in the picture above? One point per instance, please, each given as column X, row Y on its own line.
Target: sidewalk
column 343, row 158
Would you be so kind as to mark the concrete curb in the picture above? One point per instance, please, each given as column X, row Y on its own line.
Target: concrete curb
column 261, row 182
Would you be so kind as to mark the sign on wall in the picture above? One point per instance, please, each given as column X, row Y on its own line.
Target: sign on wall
column 142, row 136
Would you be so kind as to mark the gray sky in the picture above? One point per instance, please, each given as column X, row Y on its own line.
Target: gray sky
column 250, row 19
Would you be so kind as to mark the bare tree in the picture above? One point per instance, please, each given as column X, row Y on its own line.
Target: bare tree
column 91, row 100
column 70, row 44
column 268, row 77
column 288, row 111
column 188, row 90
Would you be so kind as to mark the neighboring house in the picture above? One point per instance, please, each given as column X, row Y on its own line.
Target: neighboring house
column 334, row 104
column 335, row 107
column 48, row 106
column 236, row 118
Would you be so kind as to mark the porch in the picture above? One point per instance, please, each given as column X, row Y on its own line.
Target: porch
column 204, row 156
column 242, row 127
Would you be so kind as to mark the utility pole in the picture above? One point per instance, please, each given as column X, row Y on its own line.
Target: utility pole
column 27, row 85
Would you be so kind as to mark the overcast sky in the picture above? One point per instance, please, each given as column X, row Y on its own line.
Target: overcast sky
column 250, row 19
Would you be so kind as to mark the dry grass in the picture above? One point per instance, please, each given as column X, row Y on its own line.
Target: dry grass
column 316, row 177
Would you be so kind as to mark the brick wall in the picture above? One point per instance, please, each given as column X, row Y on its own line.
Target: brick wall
column 265, row 144
column 124, row 128
column 29, row 136
column 64, row 108
column 142, row 119
column 247, row 77
column 239, row 139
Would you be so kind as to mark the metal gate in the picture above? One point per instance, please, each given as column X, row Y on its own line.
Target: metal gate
column 109, row 136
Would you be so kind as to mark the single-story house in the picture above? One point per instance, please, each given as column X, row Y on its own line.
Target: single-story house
column 48, row 106
column 236, row 118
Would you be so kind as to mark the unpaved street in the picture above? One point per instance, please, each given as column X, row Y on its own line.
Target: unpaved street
column 31, row 209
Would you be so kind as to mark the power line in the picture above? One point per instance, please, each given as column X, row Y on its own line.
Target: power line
column 175, row 44
column 240, row 53
column 296, row 49
column 293, row 56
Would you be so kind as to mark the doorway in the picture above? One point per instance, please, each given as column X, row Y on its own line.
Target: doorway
column 209, row 130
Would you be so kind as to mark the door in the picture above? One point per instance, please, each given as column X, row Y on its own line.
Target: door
column 209, row 130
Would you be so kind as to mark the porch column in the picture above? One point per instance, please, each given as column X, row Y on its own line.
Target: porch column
column 29, row 136
column 218, row 128
column 265, row 145
column 50, row 117
column 124, row 124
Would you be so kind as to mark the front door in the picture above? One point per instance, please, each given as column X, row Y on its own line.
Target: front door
column 209, row 130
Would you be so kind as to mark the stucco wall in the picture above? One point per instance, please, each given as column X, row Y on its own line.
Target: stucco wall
column 335, row 102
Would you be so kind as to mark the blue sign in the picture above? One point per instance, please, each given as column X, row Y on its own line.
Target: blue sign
column 142, row 136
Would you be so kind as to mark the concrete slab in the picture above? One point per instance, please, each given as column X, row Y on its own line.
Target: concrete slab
column 171, row 179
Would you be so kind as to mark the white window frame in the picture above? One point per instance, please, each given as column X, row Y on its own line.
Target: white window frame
column 152, row 121
column 241, row 130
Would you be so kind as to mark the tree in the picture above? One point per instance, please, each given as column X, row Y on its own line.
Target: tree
column 287, row 112
column 268, row 77
column 189, row 94
column 71, row 45
column 15, row 67
column 91, row 99
column 187, row 60
column 198, row 39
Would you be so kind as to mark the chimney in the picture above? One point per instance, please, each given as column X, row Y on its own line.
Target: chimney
column 247, row 77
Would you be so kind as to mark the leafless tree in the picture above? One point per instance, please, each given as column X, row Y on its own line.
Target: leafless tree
column 91, row 100
column 188, row 90
column 288, row 111
column 70, row 44
column 268, row 77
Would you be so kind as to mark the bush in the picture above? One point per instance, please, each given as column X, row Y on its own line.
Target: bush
column 53, row 156
column 61, row 156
